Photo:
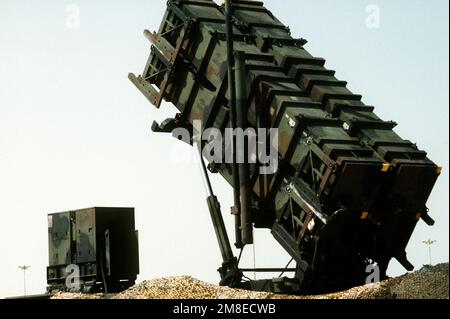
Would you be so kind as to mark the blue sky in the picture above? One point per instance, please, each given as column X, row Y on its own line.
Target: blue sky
column 74, row 132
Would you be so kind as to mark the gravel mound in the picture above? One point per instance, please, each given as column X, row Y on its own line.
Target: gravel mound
column 431, row 282
column 428, row 283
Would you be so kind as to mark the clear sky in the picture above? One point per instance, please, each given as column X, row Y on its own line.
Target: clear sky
column 75, row 133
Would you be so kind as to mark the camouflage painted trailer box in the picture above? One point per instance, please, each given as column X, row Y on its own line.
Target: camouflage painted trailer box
column 348, row 191
column 94, row 246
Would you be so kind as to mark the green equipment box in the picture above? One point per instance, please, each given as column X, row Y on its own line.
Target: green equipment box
column 94, row 249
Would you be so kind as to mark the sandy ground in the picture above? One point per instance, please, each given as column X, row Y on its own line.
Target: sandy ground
column 431, row 282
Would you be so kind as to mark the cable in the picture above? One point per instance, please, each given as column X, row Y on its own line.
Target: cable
column 203, row 170
column 254, row 254
column 102, row 269
column 337, row 213
column 240, row 255
column 285, row 268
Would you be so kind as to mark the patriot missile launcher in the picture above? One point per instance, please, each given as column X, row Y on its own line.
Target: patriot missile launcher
column 346, row 192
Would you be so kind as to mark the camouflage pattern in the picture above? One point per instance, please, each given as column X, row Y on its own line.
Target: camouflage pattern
column 349, row 191
column 96, row 240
